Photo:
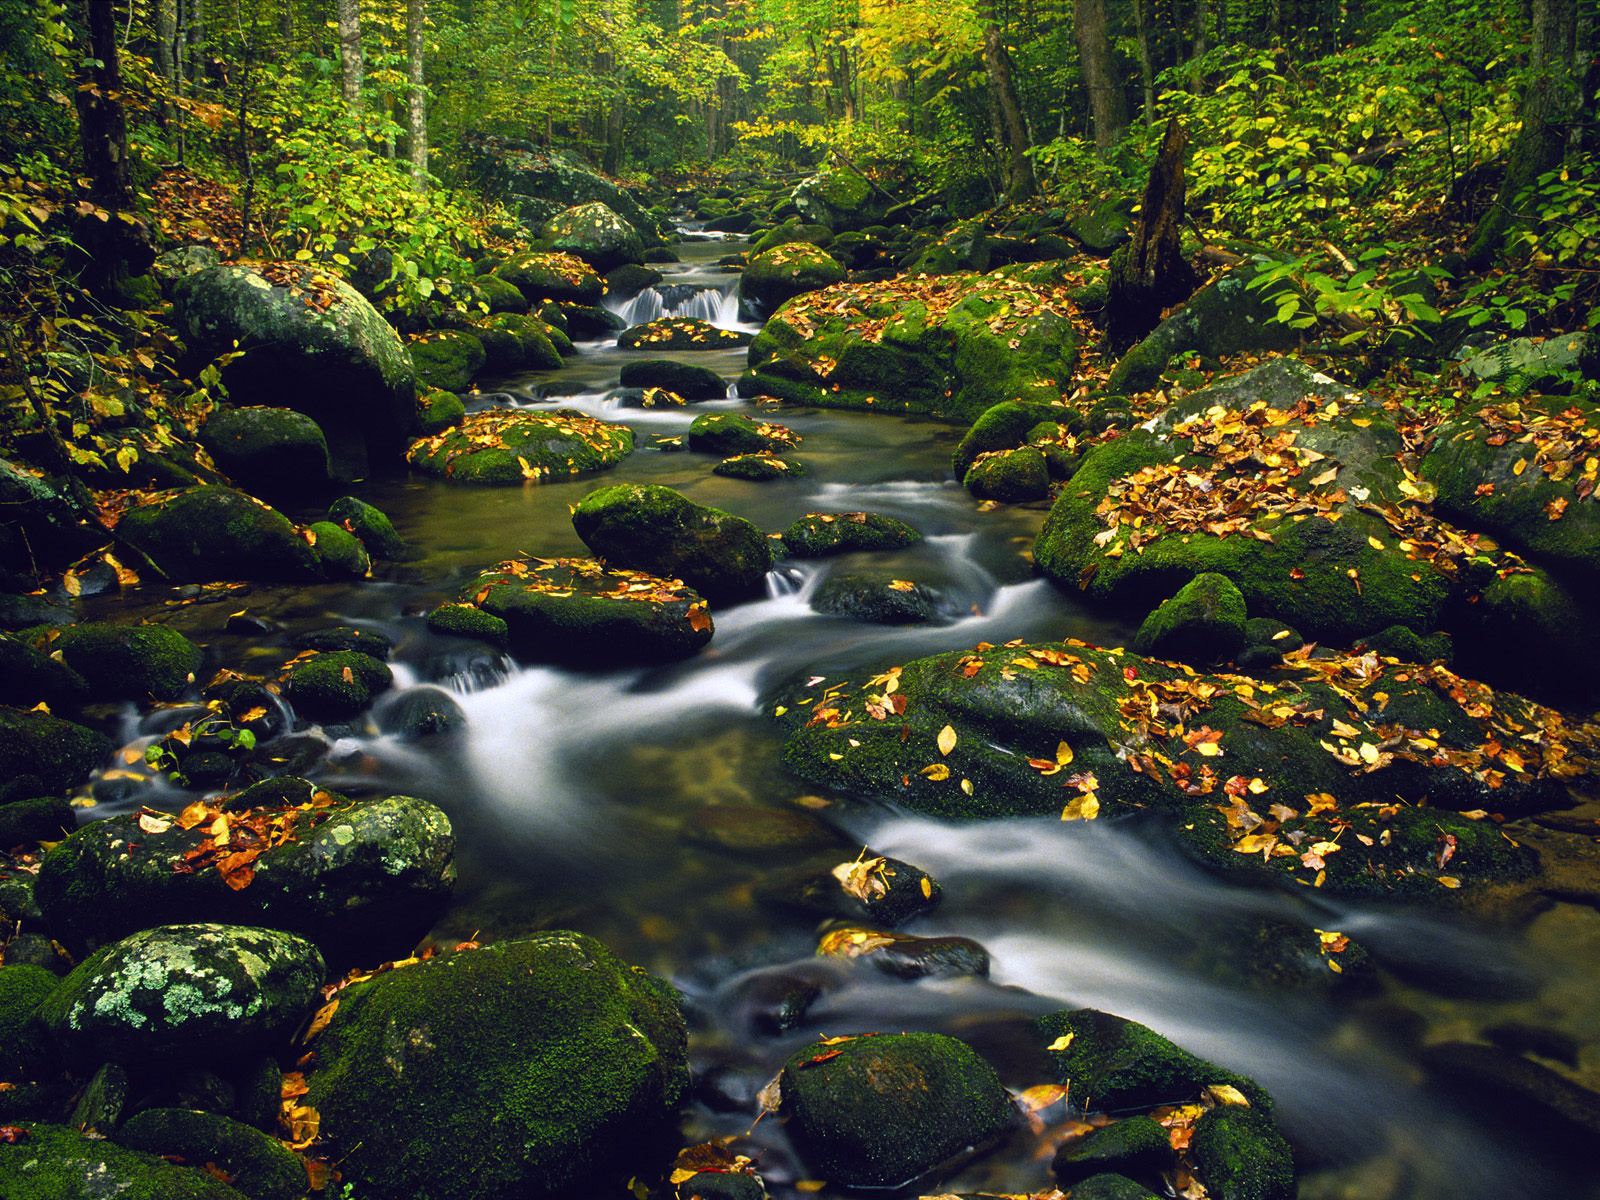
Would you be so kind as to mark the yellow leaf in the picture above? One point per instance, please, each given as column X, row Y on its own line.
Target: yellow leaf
column 947, row 740
column 936, row 772
column 1063, row 754
column 1085, row 808
column 1520, row 467
column 1375, row 543
column 1062, row 1042
column 1226, row 1093
column 1449, row 881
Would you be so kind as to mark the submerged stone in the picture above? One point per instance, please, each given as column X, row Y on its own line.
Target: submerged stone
column 818, row 535
column 684, row 379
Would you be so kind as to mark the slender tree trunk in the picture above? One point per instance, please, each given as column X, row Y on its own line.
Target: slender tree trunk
column 417, row 104
column 166, row 22
column 1549, row 106
column 1150, row 274
column 1020, row 181
column 102, row 123
column 1147, row 70
column 1202, row 23
column 348, row 15
column 1107, row 108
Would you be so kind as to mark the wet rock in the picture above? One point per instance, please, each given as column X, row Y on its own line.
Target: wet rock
column 1136, row 1147
column 41, row 754
column 38, row 819
column 872, row 888
column 722, row 1185
column 105, row 1096
column 274, row 452
column 499, row 294
column 335, row 685
column 372, row 526
column 684, row 379
column 128, row 661
column 1520, row 1037
column 1006, row 425
column 759, row 468
column 776, row 1002
column 24, row 612
column 28, row 676
column 1203, row 624
column 544, row 277
column 211, row 532
column 1122, row 1064
column 55, row 1161
column 537, row 1068
column 783, row 272
column 655, row 529
column 818, row 535
column 260, row 1166
column 419, row 713
column 184, row 993
column 469, row 621
column 581, row 611
column 748, row 829
column 905, row 956
column 438, row 411
column 517, row 342
column 310, row 341
column 1240, row 1155
column 1010, row 476
column 1111, row 1187
column 596, row 234
column 447, row 358
column 512, row 446
column 735, row 433
column 1523, row 1094
column 24, row 1053
column 680, row 333
column 875, row 599
column 339, row 553
column 881, row 1110
column 348, row 637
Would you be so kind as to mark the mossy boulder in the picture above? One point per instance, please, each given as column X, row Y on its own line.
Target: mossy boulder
column 872, row 888
column 1227, row 316
column 49, row 754
column 1112, row 1187
column 275, row 452
column 1118, row 1064
column 683, row 379
column 127, row 662
column 372, row 526
column 680, row 333
column 519, row 342
column 363, row 876
column 1240, row 1155
column 952, row 346
column 655, row 529
column 631, row 278
column 215, row 533
column 1010, row 476
column 1527, row 629
column 336, row 685
column 36, row 819
column 184, row 993
column 420, row 713
column 790, row 232
column 339, row 552
column 1525, row 471
column 28, row 676
column 1006, row 426
column 499, row 294
column 260, row 1166
column 881, row 1110
column 820, row 535
column 54, row 1162
column 179, row 263
column 578, row 610
column 596, row 234
column 447, row 358
column 310, row 341
column 760, row 467
column 437, row 411
column 1203, row 624
column 24, row 1053
column 876, row 599
column 1104, row 227
column 1137, row 1147
column 539, row 1068
column 735, row 433
column 1308, row 541
column 469, row 621
column 840, row 199
column 503, row 446
column 783, row 272
column 544, row 277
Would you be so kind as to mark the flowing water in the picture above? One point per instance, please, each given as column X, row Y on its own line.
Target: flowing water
column 647, row 806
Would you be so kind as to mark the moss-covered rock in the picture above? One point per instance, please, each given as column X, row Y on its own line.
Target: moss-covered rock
column 420, row 713
column 28, row 676
column 35, row 819
column 1134, row 1146
column 680, row 333
column 631, row 278
column 735, row 433
column 783, row 272
column 1117, row 1063
column 1203, row 624
column 819, row 535
column 655, row 529
column 595, row 234
column 840, row 199
column 1010, row 476
column 275, row 452
column 519, row 342
column 1111, row 1187
column 544, row 277
column 310, row 341
column 24, row 1052
column 260, row 1166
column 128, row 661
column 499, row 294
column 683, row 379
column 336, row 685
column 1527, row 629
column 367, row 876
column 54, row 1162
column 952, row 346
column 1408, row 645
column 578, row 610
column 469, row 621
column 214, row 533
column 500, row 447
column 872, row 888
column 1104, row 227
column 538, row 1068
column 1005, row 426
column 877, row 599
column 881, row 1110
column 437, row 411
column 339, row 553
column 447, row 358
column 792, row 231
column 1240, row 1155
column 760, row 467
column 184, row 993
column 46, row 754
column 372, row 526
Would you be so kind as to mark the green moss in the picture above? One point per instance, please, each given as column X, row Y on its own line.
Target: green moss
column 468, row 621
column 271, row 450
column 24, row 1052
column 1007, row 425
column 261, row 1166
column 335, row 686
column 1011, row 476
column 1240, row 1155
column 1134, row 1146
column 784, row 271
column 210, row 532
column 543, row 277
column 129, row 661
column 1115, row 1063
column 500, row 295
column 1203, row 624
column 504, row 447
column 735, row 433
column 58, row 755
column 38, row 819
column 882, row 1109
column 372, row 526
column 339, row 552
column 1408, row 645
column 534, row 1068
column 515, row 341
column 759, row 468
column 594, row 233
column 438, row 411
column 680, row 333
column 1111, row 1187
column 818, row 535
column 684, row 379
column 28, row 676
column 447, row 358
column 51, row 1162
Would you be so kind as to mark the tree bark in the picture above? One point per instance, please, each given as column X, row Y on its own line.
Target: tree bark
column 351, row 70
column 1020, row 181
column 102, row 123
column 1549, row 106
column 417, row 104
column 166, row 20
column 1147, row 70
column 1150, row 273
column 1108, row 110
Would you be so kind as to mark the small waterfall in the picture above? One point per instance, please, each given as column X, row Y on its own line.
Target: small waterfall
column 718, row 305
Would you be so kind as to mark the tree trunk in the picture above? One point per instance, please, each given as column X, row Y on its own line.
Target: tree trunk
column 417, row 105
column 1147, row 70
column 348, row 13
column 1107, row 108
column 166, row 35
column 1202, row 23
column 1150, row 273
column 1549, row 106
column 1020, row 181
